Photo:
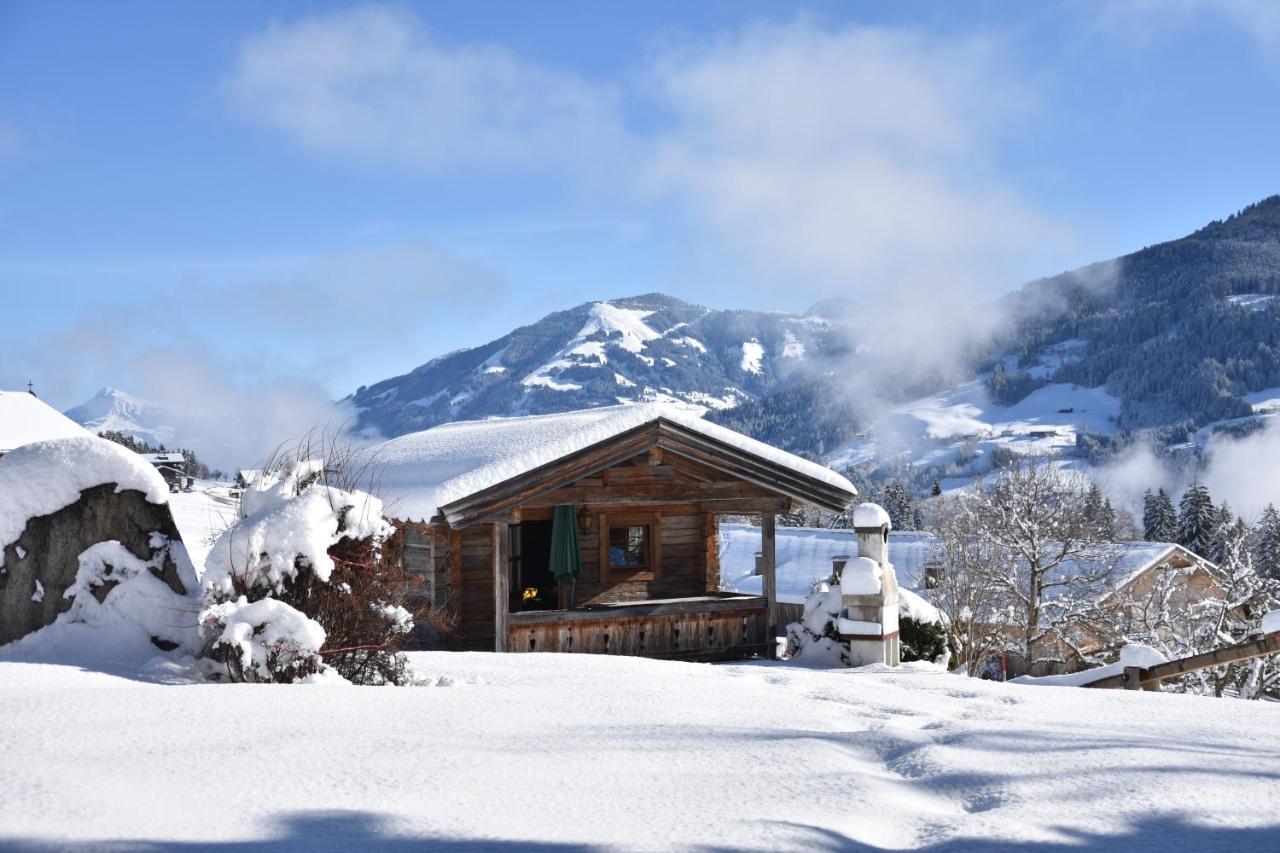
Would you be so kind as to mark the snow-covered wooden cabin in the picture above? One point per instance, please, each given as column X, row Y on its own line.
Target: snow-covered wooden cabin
column 635, row 491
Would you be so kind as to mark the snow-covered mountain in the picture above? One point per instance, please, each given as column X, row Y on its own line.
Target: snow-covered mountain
column 112, row 410
column 638, row 349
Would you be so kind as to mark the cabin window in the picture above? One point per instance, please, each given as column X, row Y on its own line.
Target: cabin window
column 629, row 547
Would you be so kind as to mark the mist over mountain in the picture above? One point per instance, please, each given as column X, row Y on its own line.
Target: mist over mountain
column 1165, row 340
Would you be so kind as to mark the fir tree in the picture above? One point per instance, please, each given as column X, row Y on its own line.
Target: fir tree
column 1150, row 517
column 936, row 491
column 1267, row 550
column 1166, row 520
column 1224, row 529
column 1197, row 519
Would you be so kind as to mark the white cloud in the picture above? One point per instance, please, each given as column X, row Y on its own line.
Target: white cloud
column 374, row 85
column 854, row 159
column 256, row 359
column 1242, row 471
column 1144, row 20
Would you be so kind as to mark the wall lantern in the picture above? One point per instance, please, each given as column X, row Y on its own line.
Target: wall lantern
column 584, row 519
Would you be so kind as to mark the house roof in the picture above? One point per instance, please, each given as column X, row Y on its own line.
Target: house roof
column 432, row 472
column 25, row 418
column 805, row 554
column 166, row 458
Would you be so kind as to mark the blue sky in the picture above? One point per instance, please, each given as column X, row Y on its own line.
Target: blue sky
column 238, row 199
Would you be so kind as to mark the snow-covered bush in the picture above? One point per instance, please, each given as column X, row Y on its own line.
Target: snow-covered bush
column 816, row 638
column 306, row 584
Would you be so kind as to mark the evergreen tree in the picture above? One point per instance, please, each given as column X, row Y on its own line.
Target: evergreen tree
column 1197, row 519
column 1166, row 520
column 936, row 491
column 1267, row 550
column 1224, row 529
column 897, row 501
column 1150, row 517
column 1107, row 520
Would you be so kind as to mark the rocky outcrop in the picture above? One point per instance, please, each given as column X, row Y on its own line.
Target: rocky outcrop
column 40, row 566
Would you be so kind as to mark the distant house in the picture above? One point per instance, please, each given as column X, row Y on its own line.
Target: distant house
column 246, row 477
column 25, row 418
column 497, row 513
column 1148, row 576
column 172, row 466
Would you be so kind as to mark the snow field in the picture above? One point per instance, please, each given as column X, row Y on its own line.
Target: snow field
column 624, row 753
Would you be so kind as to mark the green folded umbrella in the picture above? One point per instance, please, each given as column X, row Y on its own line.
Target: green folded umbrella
column 566, row 561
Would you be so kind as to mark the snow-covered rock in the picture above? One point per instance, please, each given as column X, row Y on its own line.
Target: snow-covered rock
column 43, row 477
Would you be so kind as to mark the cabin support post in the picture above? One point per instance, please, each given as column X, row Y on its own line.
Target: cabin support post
column 769, row 580
column 1133, row 678
column 501, row 599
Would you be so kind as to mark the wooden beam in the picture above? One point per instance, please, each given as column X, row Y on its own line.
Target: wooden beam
column 1270, row 644
column 769, row 579
column 724, row 603
column 1257, row 648
column 501, row 595
column 711, row 536
column 639, row 493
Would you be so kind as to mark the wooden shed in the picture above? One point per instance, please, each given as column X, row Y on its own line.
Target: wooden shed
column 646, row 485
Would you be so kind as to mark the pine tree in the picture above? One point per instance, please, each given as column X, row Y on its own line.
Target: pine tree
column 1150, row 516
column 1108, row 520
column 1226, row 527
column 1197, row 519
column 1166, row 522
column 936, row 491
column 1267, row 551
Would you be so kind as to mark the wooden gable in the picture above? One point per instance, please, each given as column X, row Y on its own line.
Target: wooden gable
column 658, row 462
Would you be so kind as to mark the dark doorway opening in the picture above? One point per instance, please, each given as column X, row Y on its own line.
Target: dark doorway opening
column 534, row 587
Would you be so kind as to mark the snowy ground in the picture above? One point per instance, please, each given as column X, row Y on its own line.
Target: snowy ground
column 556, row 752
column 202, row 515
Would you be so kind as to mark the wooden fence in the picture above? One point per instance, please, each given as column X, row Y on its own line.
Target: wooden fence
column 1149, row 678
column 703, row 628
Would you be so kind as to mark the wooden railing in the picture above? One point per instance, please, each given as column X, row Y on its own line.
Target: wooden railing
column 720, row 627
column 1138, row 678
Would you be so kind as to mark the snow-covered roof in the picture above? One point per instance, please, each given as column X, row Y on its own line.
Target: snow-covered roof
column 163, row 458
column 25, row 418
column 419, row 473
column 804, row 556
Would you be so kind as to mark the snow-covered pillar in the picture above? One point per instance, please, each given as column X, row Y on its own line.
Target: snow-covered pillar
column 869, row 593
